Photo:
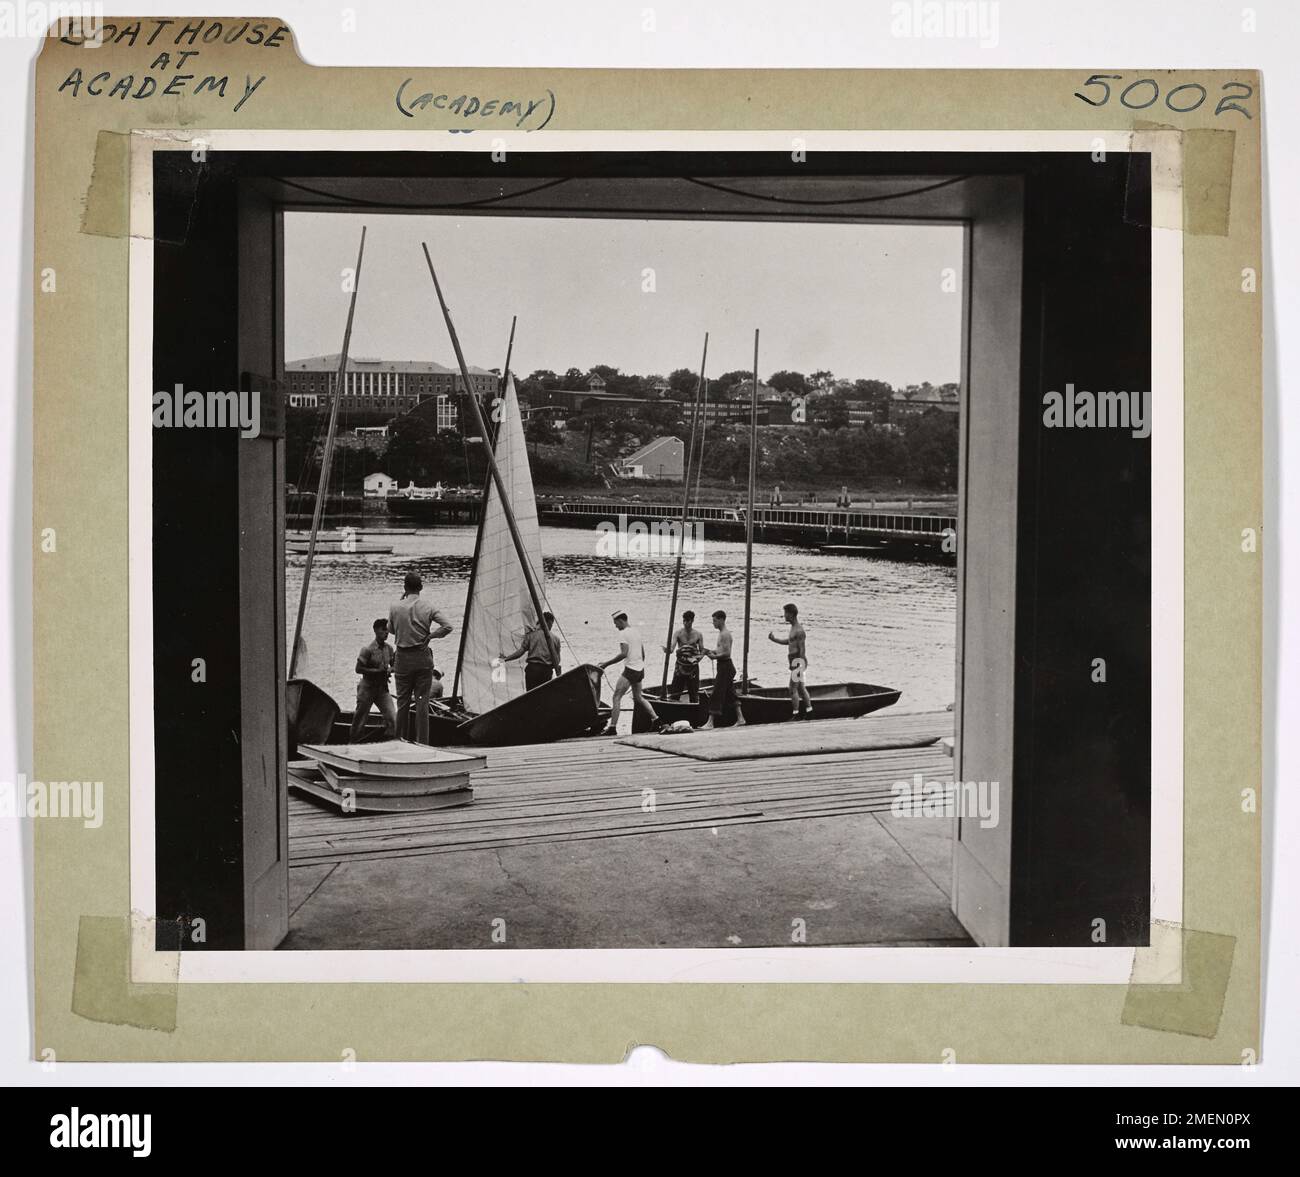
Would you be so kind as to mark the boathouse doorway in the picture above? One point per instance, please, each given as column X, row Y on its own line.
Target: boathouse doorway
column 1044, row 297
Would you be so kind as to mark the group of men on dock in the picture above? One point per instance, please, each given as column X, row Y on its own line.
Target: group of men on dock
column 415, row 622
column 688, row 648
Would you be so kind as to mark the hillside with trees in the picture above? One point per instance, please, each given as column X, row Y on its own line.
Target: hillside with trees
column 913, row 452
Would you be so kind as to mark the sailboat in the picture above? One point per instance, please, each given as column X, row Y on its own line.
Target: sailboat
column 772, row 704
column 673, row 710
column 499, row 608
column 505, row 597
column 758, row 704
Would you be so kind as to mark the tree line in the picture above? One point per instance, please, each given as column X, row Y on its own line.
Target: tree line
column 920, row 450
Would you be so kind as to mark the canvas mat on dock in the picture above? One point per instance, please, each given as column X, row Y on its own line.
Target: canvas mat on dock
column 803, row 738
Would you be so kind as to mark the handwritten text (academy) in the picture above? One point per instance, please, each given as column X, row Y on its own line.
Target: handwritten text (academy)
column 467, row 106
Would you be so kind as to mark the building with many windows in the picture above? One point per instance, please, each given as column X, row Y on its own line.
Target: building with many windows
column 383, row 386
column 916, row 399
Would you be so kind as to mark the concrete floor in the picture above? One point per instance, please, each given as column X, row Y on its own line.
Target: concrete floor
column 854, row 879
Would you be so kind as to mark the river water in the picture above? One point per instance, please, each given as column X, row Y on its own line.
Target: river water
column 868, row 619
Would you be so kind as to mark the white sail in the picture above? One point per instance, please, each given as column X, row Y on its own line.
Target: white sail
column 500, row 607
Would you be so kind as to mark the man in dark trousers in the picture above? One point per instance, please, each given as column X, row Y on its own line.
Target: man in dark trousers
column 414, row 623
column 374, row 665
column 722, row 707
column 689, row 644
column 541, row 651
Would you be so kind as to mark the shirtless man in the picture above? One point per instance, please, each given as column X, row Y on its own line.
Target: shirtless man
column 689, row 644
column 722, row 705
column 797, row 648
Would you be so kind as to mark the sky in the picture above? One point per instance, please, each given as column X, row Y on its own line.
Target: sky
column 864, row 301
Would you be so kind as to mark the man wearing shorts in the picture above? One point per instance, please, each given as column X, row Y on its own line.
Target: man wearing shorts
column 632, row 655
column 798, row 652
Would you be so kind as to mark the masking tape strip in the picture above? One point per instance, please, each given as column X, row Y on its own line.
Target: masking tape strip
column 107, row 204
column 1179, row 983
column 1191, row 178
column 107, row 208
column 102, row 989
column 1207, row 180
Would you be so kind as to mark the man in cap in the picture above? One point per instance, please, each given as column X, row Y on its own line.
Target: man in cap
column 631, row 652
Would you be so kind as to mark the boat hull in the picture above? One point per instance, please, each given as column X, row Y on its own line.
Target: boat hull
column 830, row 701
column 566, row 706
column 673, row 710
column 310, row 712
column 445, row 720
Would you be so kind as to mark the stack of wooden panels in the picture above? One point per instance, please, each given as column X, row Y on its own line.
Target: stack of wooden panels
column 388, row 777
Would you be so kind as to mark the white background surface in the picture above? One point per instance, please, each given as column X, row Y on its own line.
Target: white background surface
column 1098, row 36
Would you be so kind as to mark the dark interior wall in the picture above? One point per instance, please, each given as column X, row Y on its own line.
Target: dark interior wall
column 196, row 557
column 1081, row 814
column 1082, row 807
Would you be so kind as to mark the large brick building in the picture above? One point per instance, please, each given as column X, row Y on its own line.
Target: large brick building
column 383, row 386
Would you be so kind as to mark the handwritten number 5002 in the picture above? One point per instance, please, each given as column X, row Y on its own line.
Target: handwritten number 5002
column 1184, row 99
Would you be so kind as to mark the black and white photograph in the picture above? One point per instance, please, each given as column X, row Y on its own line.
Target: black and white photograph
column 657, row 549
column 658, row 545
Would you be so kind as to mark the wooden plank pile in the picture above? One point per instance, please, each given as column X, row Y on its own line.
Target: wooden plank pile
column 389, row 777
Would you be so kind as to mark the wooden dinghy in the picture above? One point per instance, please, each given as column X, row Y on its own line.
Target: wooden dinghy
column 311, row 713
column 566, row 706
column 830, row 701
column 671, row 710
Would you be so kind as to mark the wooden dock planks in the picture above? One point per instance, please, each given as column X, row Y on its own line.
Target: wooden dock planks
column 594, row 788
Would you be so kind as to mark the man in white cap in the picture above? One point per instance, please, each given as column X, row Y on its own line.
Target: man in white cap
column 631, row 652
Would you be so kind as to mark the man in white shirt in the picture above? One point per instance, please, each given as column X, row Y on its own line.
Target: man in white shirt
column 631, row 652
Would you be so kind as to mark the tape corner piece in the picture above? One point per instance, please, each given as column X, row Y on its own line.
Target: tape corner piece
column 107, row 207
column 102, row 987
column 1191, row 177
column 1179, row 983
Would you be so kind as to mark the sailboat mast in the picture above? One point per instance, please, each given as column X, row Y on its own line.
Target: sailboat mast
column 686, row 499
column 507, row 510
column 482, row 518
column 749, row 513
column 327, row 458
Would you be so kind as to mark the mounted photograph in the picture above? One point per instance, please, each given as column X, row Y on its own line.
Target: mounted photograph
column 726, row 550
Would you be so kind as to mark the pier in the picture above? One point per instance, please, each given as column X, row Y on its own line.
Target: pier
column 600, row 843
column 902, row 532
